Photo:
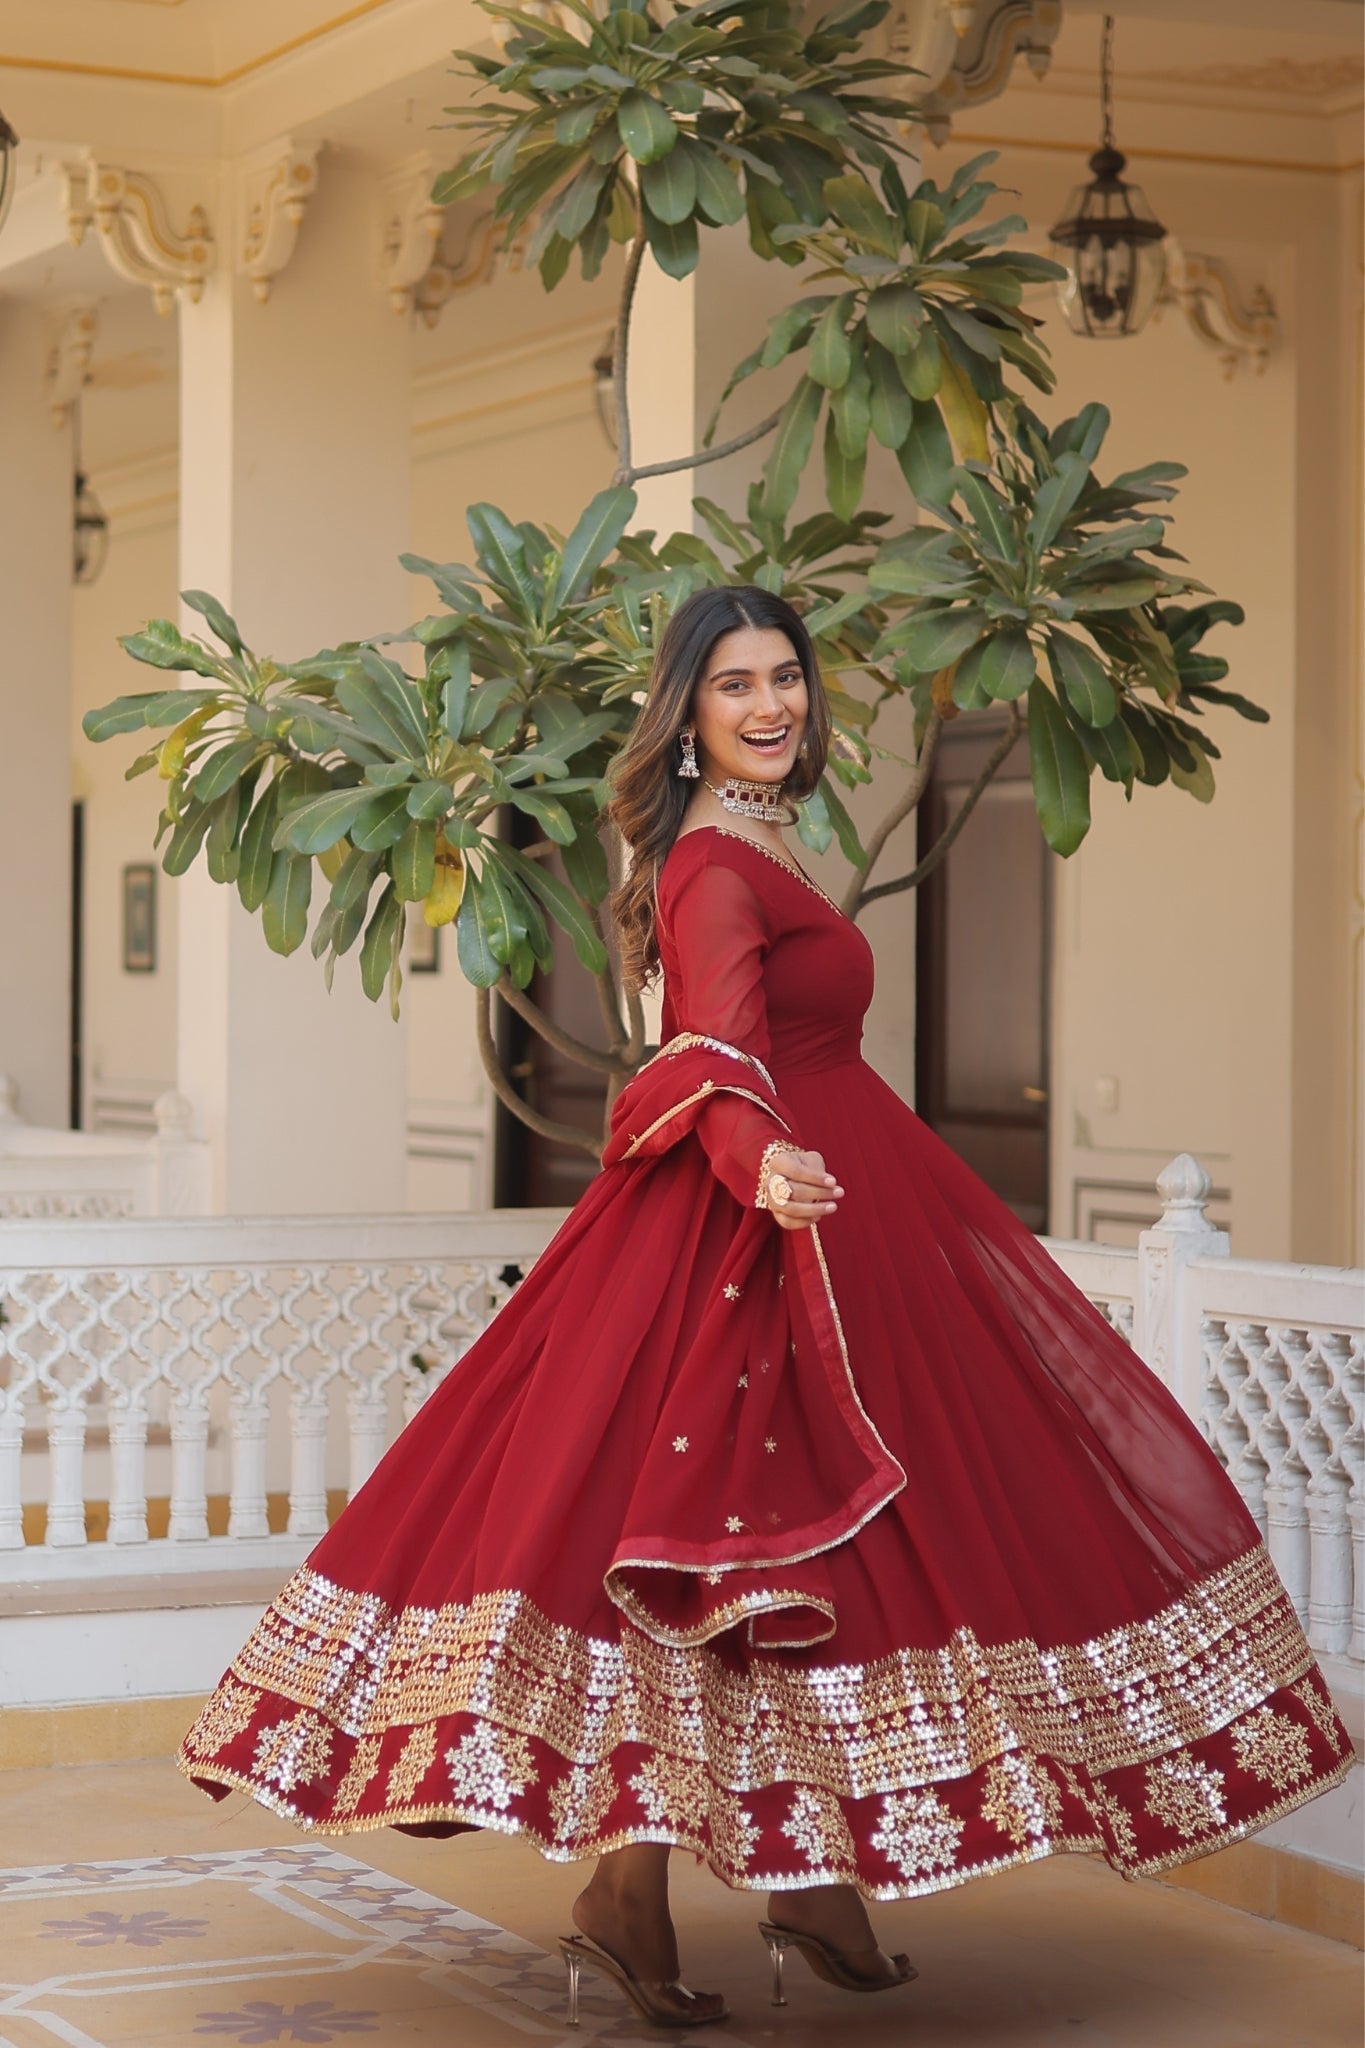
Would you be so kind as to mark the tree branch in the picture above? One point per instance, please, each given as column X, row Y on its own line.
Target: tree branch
column 909, row 799
column 702, row 455
column 544, row 1126
column 576, row 1049
column 620, row 351
column 939, row 850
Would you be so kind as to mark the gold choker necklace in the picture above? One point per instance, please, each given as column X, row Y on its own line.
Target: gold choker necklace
column 766, row 801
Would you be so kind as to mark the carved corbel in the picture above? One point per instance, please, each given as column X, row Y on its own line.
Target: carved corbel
column 412, row 230
column 277, row 199
column 478, row 253
column 965, row 50
column 68, row 366
column 129, row 213
column 1204, row 291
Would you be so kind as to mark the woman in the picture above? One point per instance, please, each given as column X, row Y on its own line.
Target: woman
column 804, row 1516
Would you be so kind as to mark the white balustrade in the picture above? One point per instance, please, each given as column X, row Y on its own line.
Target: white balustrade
column 50, row 1173
column 218, row 1357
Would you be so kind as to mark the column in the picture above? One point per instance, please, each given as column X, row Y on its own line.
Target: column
column 294, row 493
column 35, row 717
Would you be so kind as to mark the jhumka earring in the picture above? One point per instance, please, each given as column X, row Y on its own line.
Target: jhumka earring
column 687, row 767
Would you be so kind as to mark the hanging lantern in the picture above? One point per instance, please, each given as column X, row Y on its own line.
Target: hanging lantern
column 9, row 159
column 89, row 532
column 1110, row 241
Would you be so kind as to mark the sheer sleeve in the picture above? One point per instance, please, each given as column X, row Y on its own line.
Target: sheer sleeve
column 717, row 935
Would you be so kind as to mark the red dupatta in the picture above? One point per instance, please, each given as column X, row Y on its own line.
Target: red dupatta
column 763, row 1456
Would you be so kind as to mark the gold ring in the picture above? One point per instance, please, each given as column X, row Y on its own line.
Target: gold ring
column 779, row 1190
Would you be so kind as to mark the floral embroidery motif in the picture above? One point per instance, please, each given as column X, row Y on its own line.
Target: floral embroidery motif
column 770, row 1443
column 1110, row 1817
column 1021, row 1799
column 414, row 1760
column 580, row 1802
column 672, row 1791
column 1186, row 1795
column 1272, row 1746
column 731, row 1292
column 734, row 1525
column 223, row 1717
column 364, row 1766
column 917, row 1833
column 734, row 1833
column 490, row 1767
column 680, row 1443
column 293, row 1752
column 744, row 1379
column 817, row 1827
column 1320, row 1712
column 714, row 1578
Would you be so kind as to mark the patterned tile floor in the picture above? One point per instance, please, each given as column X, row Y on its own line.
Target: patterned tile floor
column 133, row 1914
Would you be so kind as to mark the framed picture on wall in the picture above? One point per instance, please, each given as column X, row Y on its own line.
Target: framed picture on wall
column 139, row 918
column 424, row 943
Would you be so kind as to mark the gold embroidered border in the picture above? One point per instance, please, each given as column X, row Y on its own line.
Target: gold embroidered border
column 684, row 1041
column 914, row 1718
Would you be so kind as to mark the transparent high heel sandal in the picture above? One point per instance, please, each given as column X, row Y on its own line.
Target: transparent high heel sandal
column 662, row 2005
column 827, row 1962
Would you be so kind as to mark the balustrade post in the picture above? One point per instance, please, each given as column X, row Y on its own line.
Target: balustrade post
column 248, row 1511
column 1183, row 1233
column 11, row 1467
column 1329, row 1584
column 189, row 1522
column 1355, row 1515
column 308, row 1474
column 369, row 1418
column 66, row 1489
column 183, row 1163
column 1287, row 1532
column 128, row 1476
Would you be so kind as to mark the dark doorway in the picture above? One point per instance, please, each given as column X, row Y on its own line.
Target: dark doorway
column 77, row 1067
column 983, row 955
column 531, row 1171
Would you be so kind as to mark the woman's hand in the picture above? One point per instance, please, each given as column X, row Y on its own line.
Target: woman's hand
column 814, row 1193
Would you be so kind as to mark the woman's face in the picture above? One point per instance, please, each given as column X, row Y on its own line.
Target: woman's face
column 750, row 707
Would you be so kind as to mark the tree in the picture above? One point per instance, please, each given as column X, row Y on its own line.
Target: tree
column 1025, row 581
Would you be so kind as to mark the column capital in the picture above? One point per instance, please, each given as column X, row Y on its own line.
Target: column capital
column 278, row 186
column 131, row 215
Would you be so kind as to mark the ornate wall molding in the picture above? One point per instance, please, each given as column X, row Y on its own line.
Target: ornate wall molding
column 130, row 214
column 68, row 366
column 1204, row 290
column 470, row 252
column 966, row 50
column 277, row 194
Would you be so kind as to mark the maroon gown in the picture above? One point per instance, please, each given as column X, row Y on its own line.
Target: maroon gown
column 868, row 1553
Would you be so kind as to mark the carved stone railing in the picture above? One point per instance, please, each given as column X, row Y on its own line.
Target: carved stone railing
column 245, row 1376
column 49, row 1173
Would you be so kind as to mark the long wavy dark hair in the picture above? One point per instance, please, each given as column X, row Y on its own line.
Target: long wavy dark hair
column 648, row 798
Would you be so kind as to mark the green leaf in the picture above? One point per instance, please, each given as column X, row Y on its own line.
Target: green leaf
column 220, row 622
column 921, row 370
column 675, row 247
column 831, row 352
column 719, row 196
column 843, row 476
column 892, row 410
column 989, row 512
column 964, row 411
column 162, row 645
column 1122, row 596
column 1008, row 666
column 1082, row 677
column 413, row 861
column 1197, row 781
column 585, row 864
column 645, row 127
column 549, row 811
column 376, row 953
column 477, row 963
column 1061, row 772
column 669, row 186
column 220, row 847
column 222, row 769
column 926, row 455
column 791, row 447
column 455, row 692
column 895, row 318
column 845, row 830
column 382, row 820
column 313, row 826
column 853, row 202
column 386, row 708
column 187, row 838
column 502, row 556
column 125, row 714
column 562, row 904
column 598, row 530
column 1112, row 750
column 284, row 912
column 430, row 800
column 937, row 639
column 257, row 850
column 1054, row 501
